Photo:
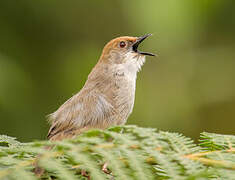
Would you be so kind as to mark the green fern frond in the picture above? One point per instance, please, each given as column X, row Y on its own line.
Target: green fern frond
column 7, row 141
column 212, row 141
column 127, row 152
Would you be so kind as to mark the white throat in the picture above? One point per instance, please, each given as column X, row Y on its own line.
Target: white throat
column 131, row 66
column 134, row 63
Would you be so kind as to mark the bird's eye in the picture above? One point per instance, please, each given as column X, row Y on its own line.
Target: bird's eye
column 122, row 44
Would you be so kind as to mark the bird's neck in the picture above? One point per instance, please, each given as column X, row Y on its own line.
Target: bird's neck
column 131, row 66
column 128, row 68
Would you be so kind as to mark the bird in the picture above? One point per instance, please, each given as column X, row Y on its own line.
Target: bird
column 108, row 95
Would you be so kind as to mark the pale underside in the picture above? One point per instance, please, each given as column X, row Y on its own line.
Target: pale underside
column 107, row 99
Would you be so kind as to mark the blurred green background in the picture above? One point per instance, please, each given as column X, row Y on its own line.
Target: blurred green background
column 47, row 49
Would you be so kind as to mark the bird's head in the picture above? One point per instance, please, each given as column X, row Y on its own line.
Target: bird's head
column 123, row 50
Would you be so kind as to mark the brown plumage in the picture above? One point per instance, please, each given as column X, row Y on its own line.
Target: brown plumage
column 107, row 98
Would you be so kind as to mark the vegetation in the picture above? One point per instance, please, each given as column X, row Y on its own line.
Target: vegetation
column 129, row 152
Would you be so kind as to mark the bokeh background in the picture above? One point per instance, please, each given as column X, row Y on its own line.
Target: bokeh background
column 47, row 49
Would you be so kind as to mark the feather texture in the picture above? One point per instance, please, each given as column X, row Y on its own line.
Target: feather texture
column 106, row 99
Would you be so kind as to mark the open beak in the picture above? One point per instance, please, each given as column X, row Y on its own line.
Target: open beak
column 138, row 41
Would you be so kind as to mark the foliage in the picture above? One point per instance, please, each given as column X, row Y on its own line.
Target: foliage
column 129, row 152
